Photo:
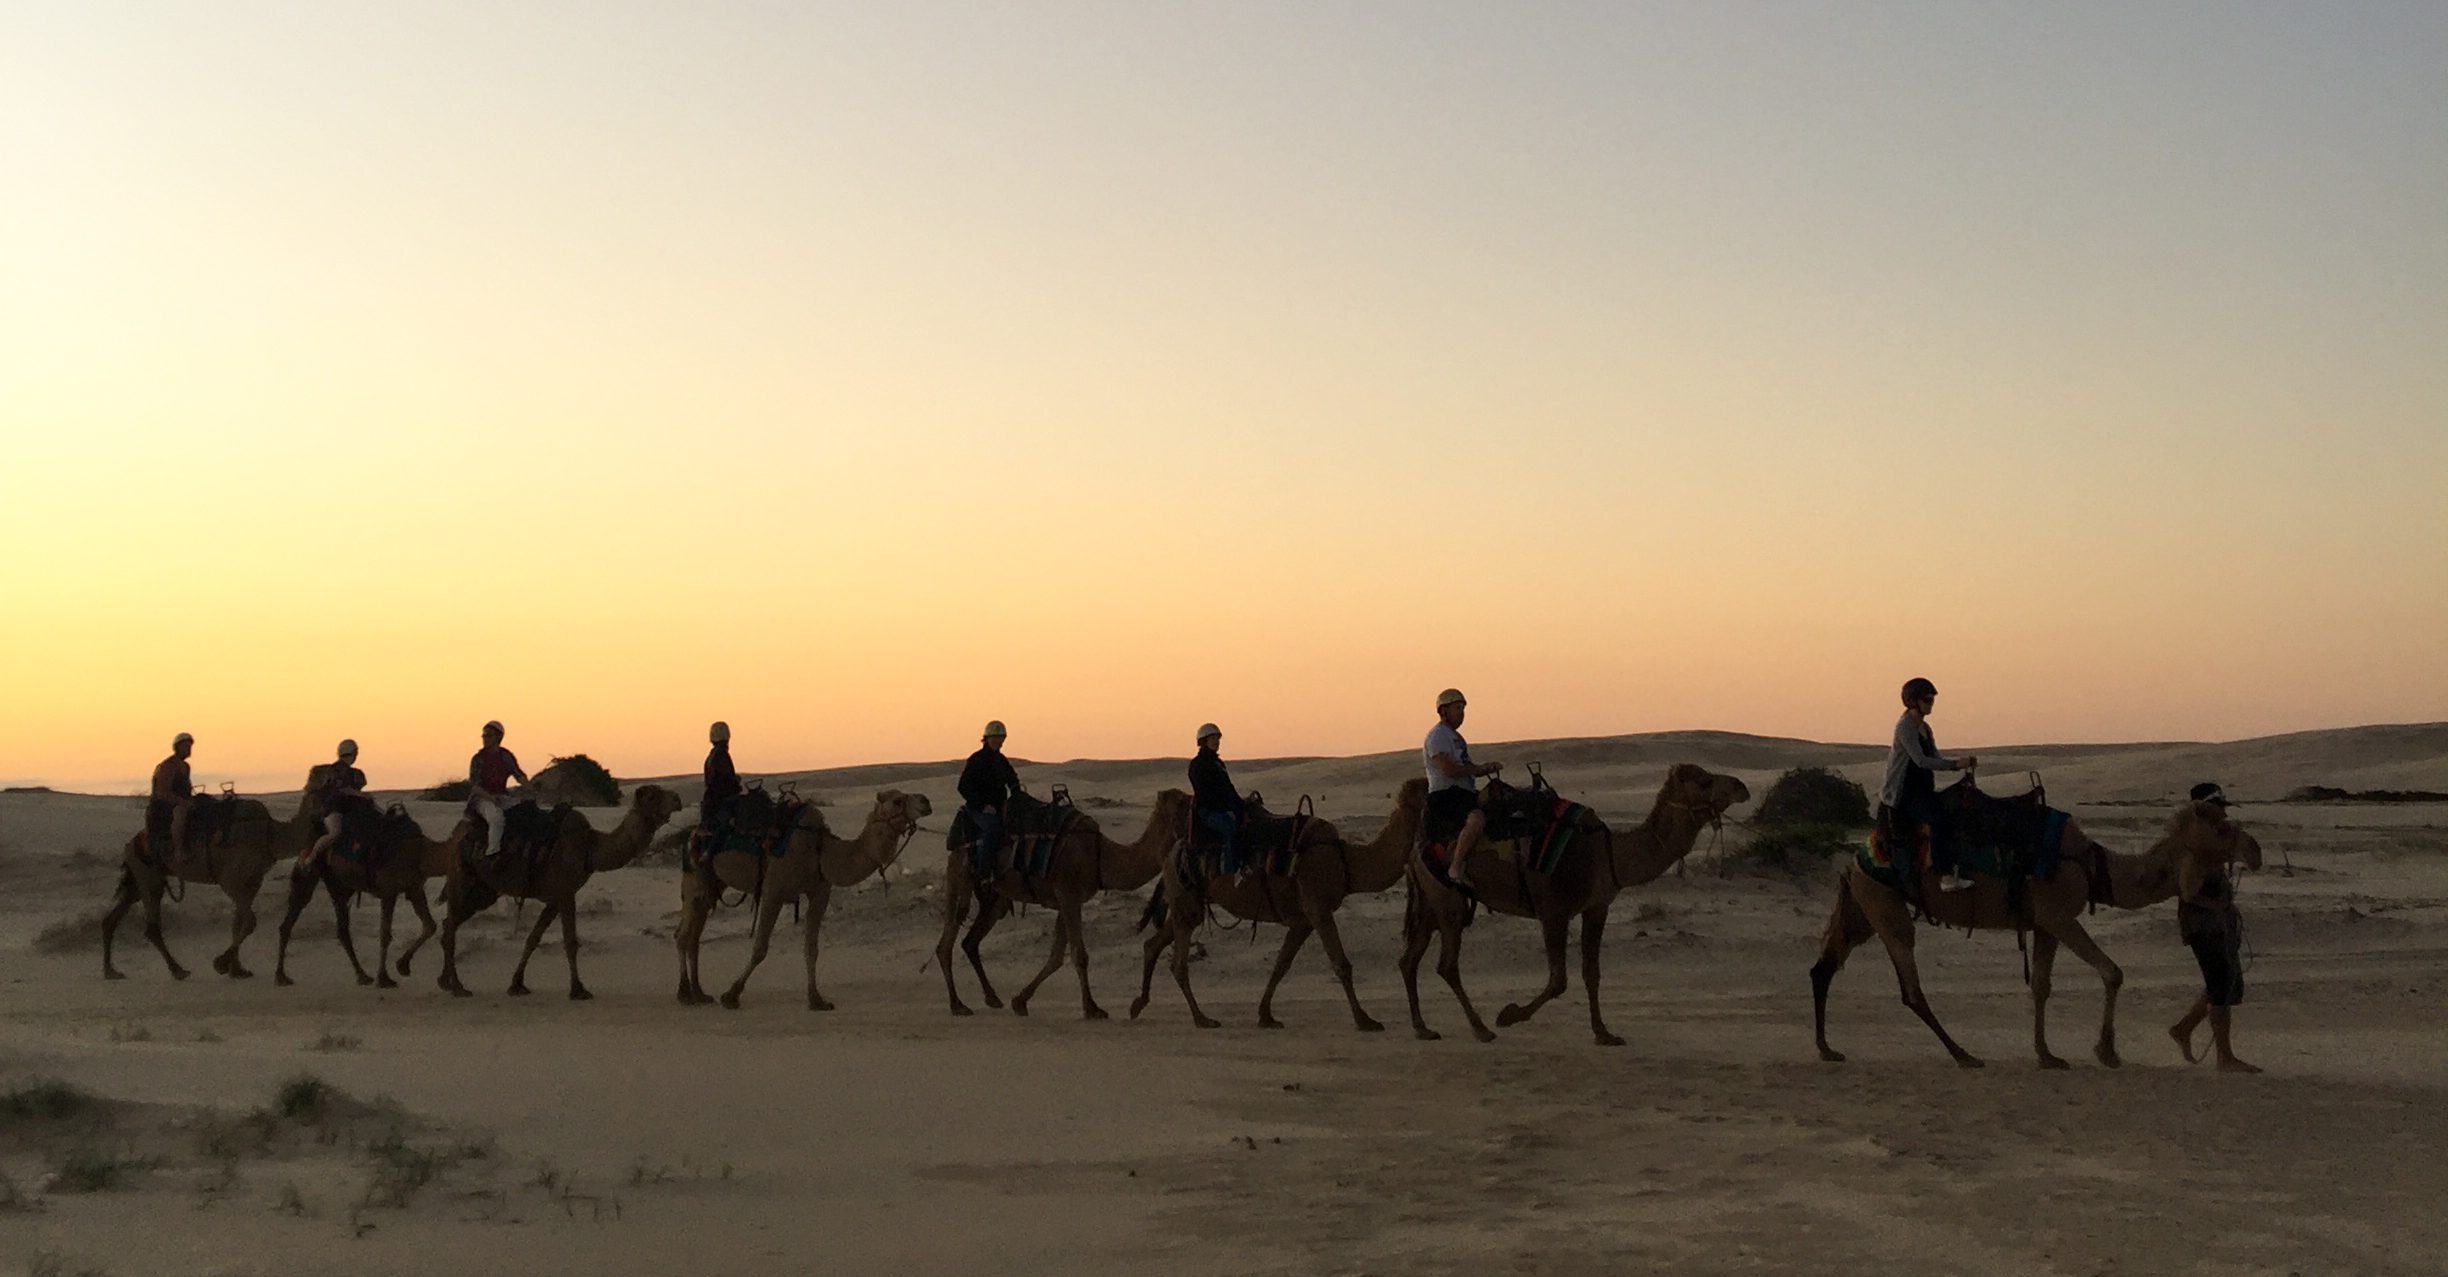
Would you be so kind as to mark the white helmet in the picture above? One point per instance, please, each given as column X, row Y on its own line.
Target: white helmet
column 994, row 728
column 719, row 733
column 348, row 748
column 181, row 739
column 1450, row 696
column 1208, row 731
column 494, row 728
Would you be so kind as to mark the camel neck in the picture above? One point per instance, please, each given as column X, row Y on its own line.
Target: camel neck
column 1656, row 844
column 1379, row 863
column 851, row 860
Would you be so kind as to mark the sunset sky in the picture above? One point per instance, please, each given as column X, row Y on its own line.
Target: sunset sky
column 857, row 373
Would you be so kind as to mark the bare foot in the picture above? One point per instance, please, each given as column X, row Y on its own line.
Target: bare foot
column 2184, row 1041
column 2230, row 1064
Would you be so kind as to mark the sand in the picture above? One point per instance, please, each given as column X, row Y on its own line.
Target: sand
column 631, row 1134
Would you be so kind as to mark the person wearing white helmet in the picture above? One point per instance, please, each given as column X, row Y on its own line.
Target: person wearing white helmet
column 987, row 786
column 722, row 782
column 339, row 787
column 1453, row 785
column 173, row 794
column 1217, row 804
column 490, row 771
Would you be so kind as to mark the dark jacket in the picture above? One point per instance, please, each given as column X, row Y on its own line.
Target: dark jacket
column 988, row 780
column 721, row 778
column 1211, row 787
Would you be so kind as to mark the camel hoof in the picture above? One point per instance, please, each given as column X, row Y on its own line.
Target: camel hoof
column 1427, row 1035
column 281, row 979
column 1137, row 1007
column 2054, row 1062
column 1831, row 1055
column 385, row 981
column 997, row 1003
column 2109, row 1057
column 458, row 991
column 1368, row 1026
column 1095, row 1013
column 730, row 999
column 1269, row 1022
column 578, row 993
column 1971, row 1061
column 518, row 990
column 1019, row 1006
column 1609, row 1039
column 959, row 1010
column 1484, row 1035
column 180, row 973
column 110, row 973
column 363, row 979
column 1206, row 1023
column 237, row 972
column 221, row 964
column 819, row 1004
column 1511, row 1015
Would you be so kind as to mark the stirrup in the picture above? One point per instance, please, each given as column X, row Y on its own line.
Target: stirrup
column 1950, row 882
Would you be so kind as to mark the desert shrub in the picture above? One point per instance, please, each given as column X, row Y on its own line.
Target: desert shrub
column 586, row 782
column 87, row 1170
column 1795, row 849
column 301, row 1098
column 44, row 1098
column 448, row 791
column 1814, row 796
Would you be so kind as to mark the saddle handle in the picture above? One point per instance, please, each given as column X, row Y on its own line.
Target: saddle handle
column 229, row 789
column 787, row 789
column 1061, row 796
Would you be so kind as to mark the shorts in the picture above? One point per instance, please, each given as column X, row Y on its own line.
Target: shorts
column 2219, row 947
column 1447, row 809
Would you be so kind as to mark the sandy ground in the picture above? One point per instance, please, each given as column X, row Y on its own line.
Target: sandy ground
column 631, row 1134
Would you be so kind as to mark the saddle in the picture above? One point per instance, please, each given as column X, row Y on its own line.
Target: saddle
column 1269, row 842
column 1031, row 828
column 210, row 820
column 368, row 835
column 1528, row 826
column 2014, row 838
column 758, row 824
column 527, row 829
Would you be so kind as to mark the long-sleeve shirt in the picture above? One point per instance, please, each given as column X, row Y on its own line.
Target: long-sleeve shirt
column 722, row 783
column 170, row 781
column 1211, row 787
column 490, row 770
column 1914, row 750
column 987, row 780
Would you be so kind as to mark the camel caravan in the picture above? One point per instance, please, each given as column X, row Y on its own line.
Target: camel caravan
column 1460, row 841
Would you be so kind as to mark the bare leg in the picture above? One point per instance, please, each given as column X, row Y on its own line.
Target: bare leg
column 1331, row 937
column 1553, row 929
column 2222, row 1028
column 1465, row 843
column 2182, row 1030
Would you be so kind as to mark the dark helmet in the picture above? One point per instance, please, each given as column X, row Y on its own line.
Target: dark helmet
column 1918, row 688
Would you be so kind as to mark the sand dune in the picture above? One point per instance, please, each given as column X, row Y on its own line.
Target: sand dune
column 632, row 1134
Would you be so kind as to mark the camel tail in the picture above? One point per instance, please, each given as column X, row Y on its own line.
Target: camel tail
column 1155, row 911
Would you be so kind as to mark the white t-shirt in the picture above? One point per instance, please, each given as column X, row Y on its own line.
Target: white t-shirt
column 1445, row 740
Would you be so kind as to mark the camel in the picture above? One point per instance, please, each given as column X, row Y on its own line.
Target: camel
column 1083, row 863
column 812, row 862
column 1328, row 872
column 256, row 842
column 578, row 852
column 405, row 867
column 2052, row 912
column 1585, row 882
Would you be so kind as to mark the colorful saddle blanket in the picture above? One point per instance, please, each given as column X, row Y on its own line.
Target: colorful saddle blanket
column 2013, row 839
column 1532, row 828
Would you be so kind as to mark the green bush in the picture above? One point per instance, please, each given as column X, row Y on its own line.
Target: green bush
column 590, row 784
column 1797, row 849
column 449, row 791
column 1814, row 796
column 45, row 1098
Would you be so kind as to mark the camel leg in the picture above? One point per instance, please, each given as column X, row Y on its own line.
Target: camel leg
column 1331, row 936
column 242, row 925
column 123, row 898
column 153, row 926
column 769, row 911
column 971, row 943
column 689, row 938
column 1089, row 1010
column 382, row 956
column 340, row 915
column 956, row 911
column 2043, row 963
column 1296, row 934
column 301, row 891
column 1899, row 942
column 1053, row 963
column 1449, row 966
column 569, row 945
column 535, row 937
column 1159, row 939
column 2077, row 940
column 1418, row 929
column 1593, row 936
column 454, row 912
column 1554, row 930
column 1181, row 968
column 818, row 901
column 1848, row 926
column 425, row 921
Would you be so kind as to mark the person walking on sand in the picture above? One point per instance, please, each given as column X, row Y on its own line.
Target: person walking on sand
column 1908, row 801
column 1453, row 785
column 2207, row 920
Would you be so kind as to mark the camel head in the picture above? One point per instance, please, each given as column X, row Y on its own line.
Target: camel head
column 1413, row 796
column 1171, row 809
column 656, row 804
column 899, row 813
column 1693, row 788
